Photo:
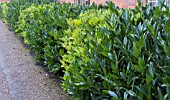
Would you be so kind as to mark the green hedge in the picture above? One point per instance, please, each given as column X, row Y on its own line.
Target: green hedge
column 42, row 27
column 41, row 24
column 82, row 38
column 108, row 53
column 3, row 11
column 16, row 6
column 0, row 9
column 122, row 55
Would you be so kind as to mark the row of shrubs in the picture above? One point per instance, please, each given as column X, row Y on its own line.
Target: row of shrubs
column 104, row 52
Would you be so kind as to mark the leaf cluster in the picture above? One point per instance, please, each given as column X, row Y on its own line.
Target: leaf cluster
column 118, row 54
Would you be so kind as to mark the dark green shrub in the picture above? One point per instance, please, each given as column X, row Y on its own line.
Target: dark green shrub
column 42, row 27
column 125, row 55
column 15, row 6
column 0, row 9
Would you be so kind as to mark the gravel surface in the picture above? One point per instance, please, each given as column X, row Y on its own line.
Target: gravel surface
column 20, row 78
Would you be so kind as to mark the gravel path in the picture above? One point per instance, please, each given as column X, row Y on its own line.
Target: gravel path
column 20, row 78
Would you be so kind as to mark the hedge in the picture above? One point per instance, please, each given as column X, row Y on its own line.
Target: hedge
column 108, row 53
column 122, row 55
column 3, row 11
column 16, row 6
column 42, row 27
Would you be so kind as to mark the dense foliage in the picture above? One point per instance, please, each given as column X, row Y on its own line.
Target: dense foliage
column 0, row 10
column 16, row 6
column 105, row 53
column 42, row 27
column 124, row 55
column 3, row 11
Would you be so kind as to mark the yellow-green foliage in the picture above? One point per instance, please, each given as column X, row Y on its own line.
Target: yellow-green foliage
column 119, row 56
column 78, row 40
column 41, row 26
column 4, row 11
column 81, row 31
column 25, row 16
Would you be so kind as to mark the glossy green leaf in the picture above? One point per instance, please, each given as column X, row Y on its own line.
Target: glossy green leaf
column 125, row 41
column 152, row 30
column 141, row 62
column 167, row 50
column 167, row 25
column 159, row 94
column 131, row 93
column 148, row 79
column 138, row 68
column 113, row 94
column 165, row 85
column 125, row 95
column 157, row 11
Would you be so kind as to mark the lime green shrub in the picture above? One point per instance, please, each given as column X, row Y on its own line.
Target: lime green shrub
column 3, row 11
column 84, row 40
column 0, row 10
column 15, row 6
column 42, row 27
column 41, row 24
column 119, row 55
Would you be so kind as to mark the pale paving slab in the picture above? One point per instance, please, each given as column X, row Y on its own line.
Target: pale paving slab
column 4, row 91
